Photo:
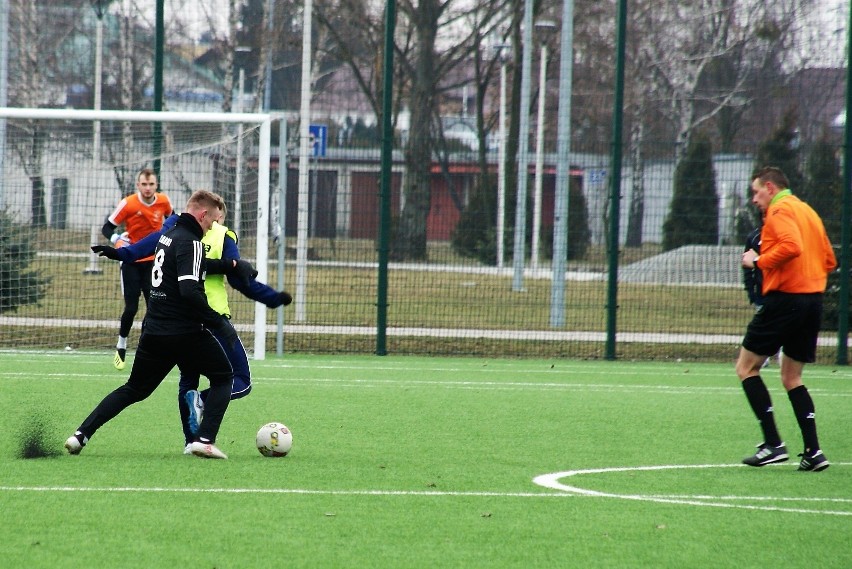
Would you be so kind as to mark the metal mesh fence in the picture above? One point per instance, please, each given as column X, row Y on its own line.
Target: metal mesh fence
column 714, row 89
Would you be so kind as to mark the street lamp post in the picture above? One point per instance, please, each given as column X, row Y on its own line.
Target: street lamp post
column 544, row 27
column 267, row 71
column 238, row 174
column 4, row 92
column 303, row 202
column 563, row 168
column 240, row 54
column 99, row 50
column 519, row 242
column 501, row 158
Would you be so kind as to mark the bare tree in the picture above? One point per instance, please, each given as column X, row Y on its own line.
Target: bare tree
column 594, row 72
column 27, row 21
column 434, row 38
column 40, row 71
column 356, row 40
column 490, row 28
column 700, row 63
column 684, row 39
column 125, row 86
column 640, row 66
column 228, row 53
column 636, row 214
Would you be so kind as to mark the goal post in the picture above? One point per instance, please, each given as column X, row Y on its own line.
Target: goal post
column 65, row 170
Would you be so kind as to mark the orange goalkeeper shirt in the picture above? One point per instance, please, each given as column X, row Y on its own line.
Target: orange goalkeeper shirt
column 795, row 253
column 141, row 219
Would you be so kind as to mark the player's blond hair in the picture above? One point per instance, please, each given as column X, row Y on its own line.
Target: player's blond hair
column 205, row 199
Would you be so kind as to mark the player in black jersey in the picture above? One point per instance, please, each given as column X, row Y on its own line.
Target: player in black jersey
column 176, row 331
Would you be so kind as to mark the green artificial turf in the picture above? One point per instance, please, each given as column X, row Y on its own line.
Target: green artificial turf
column 423, row 462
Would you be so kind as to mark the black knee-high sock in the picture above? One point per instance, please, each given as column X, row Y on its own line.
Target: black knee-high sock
column 761, row 403
column 803, row 407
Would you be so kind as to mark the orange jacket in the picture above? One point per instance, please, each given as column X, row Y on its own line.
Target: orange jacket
column 141, row 219
column 795, row 253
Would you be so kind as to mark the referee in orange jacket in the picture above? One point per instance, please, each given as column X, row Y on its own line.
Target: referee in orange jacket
column 795, row 259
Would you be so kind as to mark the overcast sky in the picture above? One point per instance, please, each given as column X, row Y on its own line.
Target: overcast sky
column 823, row 37
column 826, row 35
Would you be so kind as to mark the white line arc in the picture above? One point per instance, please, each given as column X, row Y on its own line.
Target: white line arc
column 552, row 481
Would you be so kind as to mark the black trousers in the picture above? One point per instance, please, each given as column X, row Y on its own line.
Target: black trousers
column 135, row 280
column 197, row 352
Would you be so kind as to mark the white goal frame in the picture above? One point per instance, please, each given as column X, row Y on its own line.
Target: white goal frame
column 264, row 150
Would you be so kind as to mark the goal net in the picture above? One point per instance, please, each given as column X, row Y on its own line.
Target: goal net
column 62, row 172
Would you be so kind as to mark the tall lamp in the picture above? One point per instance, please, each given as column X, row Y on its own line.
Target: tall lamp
column 100, row 8
column 545, row 29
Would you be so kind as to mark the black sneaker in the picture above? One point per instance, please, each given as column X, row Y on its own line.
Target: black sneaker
column 767, row 454
column 814, row 462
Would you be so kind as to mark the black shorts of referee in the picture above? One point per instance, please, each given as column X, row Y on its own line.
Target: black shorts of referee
column 787, row 321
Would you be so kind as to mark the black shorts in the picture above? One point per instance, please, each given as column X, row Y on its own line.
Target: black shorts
column 786, row 321
column 136, row 279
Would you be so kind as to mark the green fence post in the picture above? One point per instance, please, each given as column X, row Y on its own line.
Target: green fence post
column 385, row 185
column 615, row 181
column 160, row 33
column 846, row 216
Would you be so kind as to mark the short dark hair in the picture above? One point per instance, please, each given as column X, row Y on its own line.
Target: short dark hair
column 772, row 174
column 146, row 173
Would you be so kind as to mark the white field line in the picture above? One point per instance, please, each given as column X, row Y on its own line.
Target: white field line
column 458, row 333
column 543, row 274
column 531, row 386
column 408, row 382
column 456, row 384
column 492, row 365
column 472, row 385
column 473, row 366
column 550, row 481
column 563, row 369
column 303, row 491
column 553, row 481
column 337, row 383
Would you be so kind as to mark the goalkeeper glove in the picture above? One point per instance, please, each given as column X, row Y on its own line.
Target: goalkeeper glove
column 120, row 239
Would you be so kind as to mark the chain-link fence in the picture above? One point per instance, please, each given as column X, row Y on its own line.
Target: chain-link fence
column 713, row 90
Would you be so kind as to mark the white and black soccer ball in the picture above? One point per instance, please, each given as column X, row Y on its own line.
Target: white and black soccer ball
column 274, row 440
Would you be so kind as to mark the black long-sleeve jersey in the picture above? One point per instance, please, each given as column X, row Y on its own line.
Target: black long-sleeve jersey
column 177, row 304
column 753, row 278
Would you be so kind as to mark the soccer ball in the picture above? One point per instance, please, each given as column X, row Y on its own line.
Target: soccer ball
column 274, row 439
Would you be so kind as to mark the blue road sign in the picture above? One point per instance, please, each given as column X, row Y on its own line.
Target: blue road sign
column 319, row 139
column 596, row 176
